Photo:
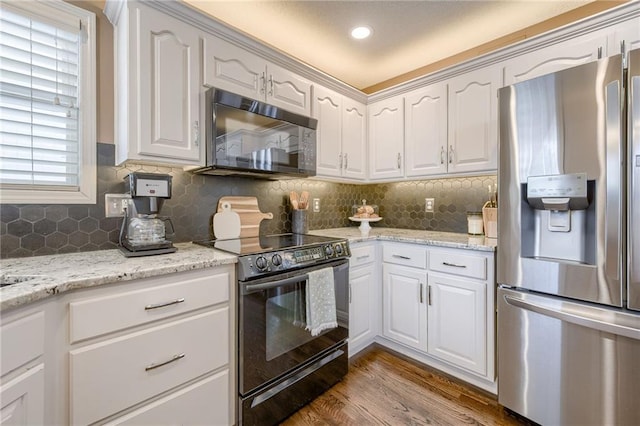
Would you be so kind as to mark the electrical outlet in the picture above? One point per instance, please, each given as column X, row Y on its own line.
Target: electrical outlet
column 429, row 205
column 115, row 204
column 316, row 205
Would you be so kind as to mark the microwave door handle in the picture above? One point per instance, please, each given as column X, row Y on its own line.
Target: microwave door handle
column 249, row 288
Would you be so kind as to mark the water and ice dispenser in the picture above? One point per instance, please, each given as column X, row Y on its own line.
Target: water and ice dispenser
column 558, row 219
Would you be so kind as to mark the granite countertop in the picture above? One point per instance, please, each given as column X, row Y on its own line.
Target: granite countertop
column 432, row 238
column 40, row 277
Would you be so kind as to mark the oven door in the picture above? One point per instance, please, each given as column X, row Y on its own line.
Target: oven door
column 272, row 320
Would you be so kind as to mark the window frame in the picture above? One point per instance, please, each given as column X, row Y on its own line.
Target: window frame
column 87, row 172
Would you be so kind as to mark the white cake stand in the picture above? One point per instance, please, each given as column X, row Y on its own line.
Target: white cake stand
column 364, row 224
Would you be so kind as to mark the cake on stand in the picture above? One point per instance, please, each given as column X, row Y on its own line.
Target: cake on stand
column 365, row 214
column 364, row 224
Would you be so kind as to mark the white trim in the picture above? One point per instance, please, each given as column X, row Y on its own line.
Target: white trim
column 88, row 123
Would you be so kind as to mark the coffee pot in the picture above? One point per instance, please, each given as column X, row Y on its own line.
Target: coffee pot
column 143, row 232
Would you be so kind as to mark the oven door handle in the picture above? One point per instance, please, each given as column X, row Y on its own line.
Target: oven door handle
column 272, row 284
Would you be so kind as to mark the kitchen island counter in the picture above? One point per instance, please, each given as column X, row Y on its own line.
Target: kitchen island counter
column 432, row 238
column 39, row 277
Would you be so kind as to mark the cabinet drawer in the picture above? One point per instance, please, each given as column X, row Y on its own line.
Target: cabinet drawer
column 405, row 254
column 362, row 255
column 467, row 265
column 21, row 341
column 111, row 376
column 203, row 403
column 106, row 314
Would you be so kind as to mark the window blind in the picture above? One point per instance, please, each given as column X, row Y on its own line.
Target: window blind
column 39, row 111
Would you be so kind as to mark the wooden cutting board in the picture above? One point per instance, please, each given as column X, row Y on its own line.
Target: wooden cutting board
column 249, row 211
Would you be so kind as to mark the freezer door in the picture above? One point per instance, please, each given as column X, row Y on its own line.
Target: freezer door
column 567, row 363
column 552, row 129
column 633, row 285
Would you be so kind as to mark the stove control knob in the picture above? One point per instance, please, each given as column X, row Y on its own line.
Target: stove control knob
column 276, row 260
column 261, row 263
column 328, row 250
column 339, row 249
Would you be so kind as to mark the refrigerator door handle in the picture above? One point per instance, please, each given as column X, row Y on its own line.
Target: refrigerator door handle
column 633, row 284
column 613, row 206
column 586, row 316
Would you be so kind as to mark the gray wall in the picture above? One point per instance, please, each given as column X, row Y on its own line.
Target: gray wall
column 32, row 230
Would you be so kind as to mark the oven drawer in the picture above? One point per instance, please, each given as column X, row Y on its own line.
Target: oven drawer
column 362, row 255
column 149, row 362
column 106, row 314
column 405, row 254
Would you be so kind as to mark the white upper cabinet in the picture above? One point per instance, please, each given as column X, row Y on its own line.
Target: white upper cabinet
column 229, row 67
column 473, row 118
column 554, row 58
column 341, row 135
column 157, row 87
column 386, row 138
column 627, row 32
column 426, row 131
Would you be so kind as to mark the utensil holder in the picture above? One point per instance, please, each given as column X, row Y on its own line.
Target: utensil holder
column 299, row 221
column 490, row 218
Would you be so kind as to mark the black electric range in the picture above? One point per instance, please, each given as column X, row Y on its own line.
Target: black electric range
column 271, row 254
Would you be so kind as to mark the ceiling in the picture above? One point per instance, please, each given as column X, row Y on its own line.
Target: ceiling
column 407, row 35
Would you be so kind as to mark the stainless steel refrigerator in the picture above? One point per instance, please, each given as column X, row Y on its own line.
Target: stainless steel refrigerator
column 568, row 264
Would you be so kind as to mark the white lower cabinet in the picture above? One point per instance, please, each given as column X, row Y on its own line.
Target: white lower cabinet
column 364, row 305
column 163, row 355
column 404, row 282
column 22, row 341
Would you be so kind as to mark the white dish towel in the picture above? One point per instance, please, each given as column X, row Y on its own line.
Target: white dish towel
column 321, row 301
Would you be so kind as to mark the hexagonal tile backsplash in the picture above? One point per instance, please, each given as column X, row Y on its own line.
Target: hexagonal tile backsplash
column 31, row 230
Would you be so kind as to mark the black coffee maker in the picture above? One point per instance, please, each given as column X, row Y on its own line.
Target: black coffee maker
column 143, row 232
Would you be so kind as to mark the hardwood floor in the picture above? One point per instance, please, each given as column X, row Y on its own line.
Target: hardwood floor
column 384, row 388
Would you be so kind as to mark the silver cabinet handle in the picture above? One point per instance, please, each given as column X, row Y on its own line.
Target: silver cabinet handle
column 340, row 160
column 399, row 256
column 270, row 84
column 399, row 161
column 346, row 161
column 429, row 295
column 366, row 256
column 450, row 154
column 160, row 364
column 349, row 293
column 263, row 83
column 453, row 265
column 421, row 296
column 196, row 133
column 442, row 155
column 164, row 304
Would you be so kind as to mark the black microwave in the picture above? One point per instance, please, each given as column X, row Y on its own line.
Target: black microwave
column 252, row 138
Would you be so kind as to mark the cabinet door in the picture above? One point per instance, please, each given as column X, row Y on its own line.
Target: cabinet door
column 288, row 90
column 168, row 107
column 426, row 131
column 229, row 67
column 386, row 138
column 457, row 322
column 354, row 139
column 554, row 58
column 473, row 128
column 627, row 32
column 362, row 308
column 327, row 108
column 22, row 399
column 404, row 306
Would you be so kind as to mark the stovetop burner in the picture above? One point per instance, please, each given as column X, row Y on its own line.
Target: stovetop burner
column 271, row 254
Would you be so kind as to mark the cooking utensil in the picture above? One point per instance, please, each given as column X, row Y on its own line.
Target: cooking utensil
column 303, row 202
column 293, row 199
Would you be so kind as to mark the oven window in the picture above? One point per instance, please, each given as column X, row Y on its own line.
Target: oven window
column 286, row 320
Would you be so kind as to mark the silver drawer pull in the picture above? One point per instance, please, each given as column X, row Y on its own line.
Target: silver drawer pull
column 454, row 265
column 169, row 361
column 362, row 257
column 399, row 256
column 162, row 305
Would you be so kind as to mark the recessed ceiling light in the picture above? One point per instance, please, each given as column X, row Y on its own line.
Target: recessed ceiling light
column 361, row 32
